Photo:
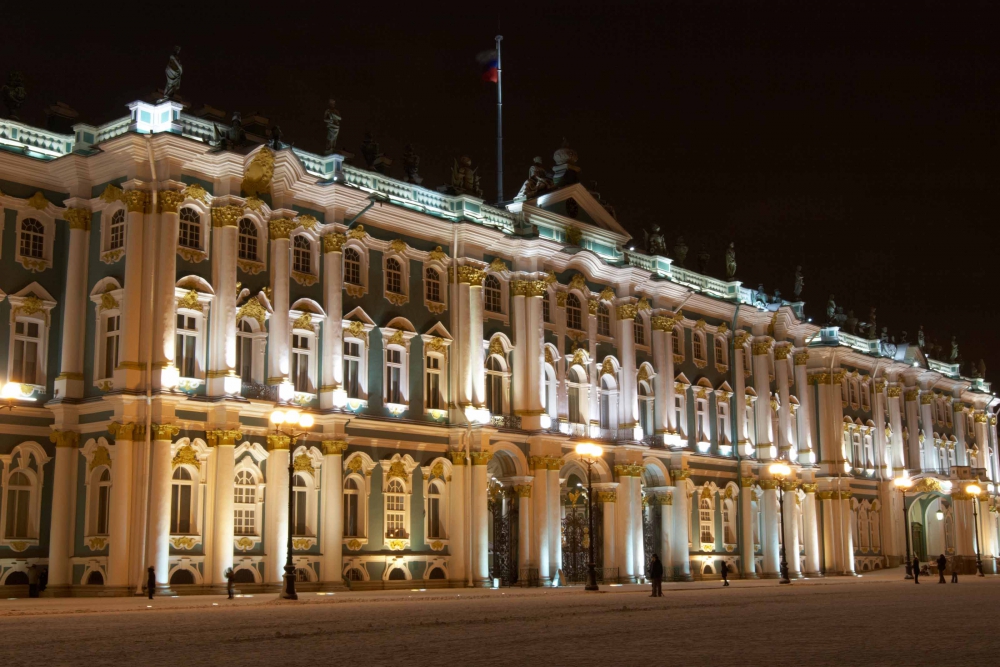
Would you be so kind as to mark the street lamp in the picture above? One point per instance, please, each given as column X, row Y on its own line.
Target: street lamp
column 11, row 392
column 589, row 453
column 781, row 471
column 903, row 483
column 296, row 421
column 975, row 490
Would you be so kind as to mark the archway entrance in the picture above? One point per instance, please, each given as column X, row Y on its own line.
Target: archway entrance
column 576, row 533
column 503, row 526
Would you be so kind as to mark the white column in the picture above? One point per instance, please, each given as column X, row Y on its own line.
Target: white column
column 457, row 519
column 638, row 522
column 332, row 567
column 791, row 537
column 848, row 535
column 771, row 549
column 333, row 330
column 164, row 322
column 519, row 388
column 623, row 521
column 222, row 543
column 927, row 420
column 831, row 536
column 120, row 509
column 958, row 428
column 63, row 491
column 681, row 556
column 128, row 375
column 480, row 520
column 883, row 456
column 608, row 497
column 525, row 550
column 663, row 405
column 665, row 503
column 534, row 354
column 628, row 400
column 811, row 527
column 222, row 333
column 741, row 437
column 893, row 399
column 69, row 383
column 276, row 507
column 540, row 543
column 748, row 548
column 477, row 369
column 278, row 329
column 784, row 439
column 914, row 460
column 554, row 506
column 803, row 393
column 762, row 385
column 158, row 539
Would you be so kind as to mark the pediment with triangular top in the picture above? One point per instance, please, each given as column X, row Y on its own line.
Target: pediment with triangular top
column 575, row 205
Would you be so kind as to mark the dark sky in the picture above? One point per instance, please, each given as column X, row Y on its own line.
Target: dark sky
column 859, row 142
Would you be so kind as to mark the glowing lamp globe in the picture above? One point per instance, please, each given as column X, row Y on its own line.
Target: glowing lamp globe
column 973, row 489
column 278, row 417
column 780, row 470
column 903, row 482
column 589, row 450
column 306, row 421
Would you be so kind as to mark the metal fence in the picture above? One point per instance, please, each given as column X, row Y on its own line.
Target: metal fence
column 506, row 421
column 528, row 577
column 260, row 392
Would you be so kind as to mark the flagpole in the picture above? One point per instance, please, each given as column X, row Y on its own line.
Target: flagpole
column 499, row 125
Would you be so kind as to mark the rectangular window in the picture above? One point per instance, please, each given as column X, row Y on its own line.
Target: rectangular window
column 352, row 369
column 433, row 395
column 186, row 348
column 395, row 525
column 111, row 338
column 26, row 344
column 351, row 514
column 300, row 363
column 299, row 506
column 434, row 517
column 181, row 511
column 103, row 498
column 574, row 406
column 546, row 314
column 244, row 357
column 17, row 513
column 393, row 376
column 244, row 521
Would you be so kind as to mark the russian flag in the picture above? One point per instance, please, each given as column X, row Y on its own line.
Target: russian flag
column 488, row 62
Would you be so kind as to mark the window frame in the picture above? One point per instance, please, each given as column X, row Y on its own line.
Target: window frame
column 708, row 523
column 47, row 241
column 198, row 224
column 398, row 469
column 402, row 296
column 603, row 317
column 571, row 299
column 360, row 288
column 433, row 274
column 251, row 472
column 24, row 453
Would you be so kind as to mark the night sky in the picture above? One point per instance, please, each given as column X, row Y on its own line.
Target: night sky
column 858, row 142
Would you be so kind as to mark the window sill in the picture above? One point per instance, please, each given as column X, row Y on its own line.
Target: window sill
column 437, row 543
column 112, row 256
column 355, row 543
column 35, row 265
column 397, row 543
column 678, row 358
column 435, row 307
column 396, row 408
column 357, row 291
column 490, row 315
column 397, row 299
column 304, row 279
column 642, row 347
column 192, row 255
column 250, row 266
column 96, row 542
column 189, row 384
column 105, row 384
column 246, row 542
column 356, row 404
column 20, row 543
column 303, row 398
column 184, row 542
column 303, row 543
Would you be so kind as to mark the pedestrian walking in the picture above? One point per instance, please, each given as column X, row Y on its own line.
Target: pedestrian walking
column 33, row 581
column 656, row 574
column 230, row 575
column 150, row 581
column 916, row 569
column 725, row 573
column 954, row 572
column 942, row 563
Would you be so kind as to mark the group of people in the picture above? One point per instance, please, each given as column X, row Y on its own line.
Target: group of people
column 942, row 565
column 656, row 575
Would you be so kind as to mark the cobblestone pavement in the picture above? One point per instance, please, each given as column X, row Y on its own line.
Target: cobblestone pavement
column 874, row 620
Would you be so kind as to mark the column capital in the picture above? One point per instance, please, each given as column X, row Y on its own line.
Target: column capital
column 78, row 218
column 164, row 431
column 126, row 431
column 480, row 458
column 782, row 352
column 457, row 458
column 334, row 447
column 222, row 437
column 280, row 228
column 278, row 442
column 801, row 358
column 895, row 392
column 607, row 496
column 334, row 242
column 809, row 487
column 169, row 201
column 137, row 201
column 65, row 438
column 523, row 490
column 747, row 482
column 226, row 216
column 769, row 484
column 471, row 275
column 628, row 470
column 662, row 499
column 678, row 475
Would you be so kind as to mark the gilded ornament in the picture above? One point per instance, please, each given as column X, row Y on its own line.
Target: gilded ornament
column 396, row 545
column 607, row 368
column 334, row 447
column 255, row 204
column 226, row 216
column 627, row 311
column 573, row 235
column 192, row 255
column 334, row 242
column 128, row 431
column 607, row 496
column 183, row 543
column 471, row 275
column 761, row 346
column 781, row 352
column 186, row 455
column 741, row 339
column 895, row 392
column 37, row 201
column 112, row 194
column 480, row 458
column 397, row 245
column 169, row 201
column 277, row 442
column 496, row 346
column 662, row 323
column 252, row 309
column 680, row 474
column 396, row 339
column 548, row 356
column 302, row 543
column 437, row 255
column 353, row 545
column 518, row 288
column 607, row 294
column 357, row 330
column 303, row 463
column 592, row 306
column 498, row 265
column 304, row 322
column 358, row 233
column 307, row 221
column 257, row 178
column 436, row 344
column 578, row 281
column 643, row 374
column 926, row 398
column 457, row 458
column 195, row 191
column 397, row 469
column 643, row 306
column 912, row 394
column 78, row 218
column 65, row 438
column 980, row 417
column 561, row 299
column 18, row 545
column 437, row 545
column 136, row 201
column 550, row 278
column 280, row 228
column 190, row 301
column 523, row 490
column 97, row 543
column 355, row 465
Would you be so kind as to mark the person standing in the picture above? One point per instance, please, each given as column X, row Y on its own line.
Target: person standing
column 656, row 574
column 230, row 576
column 725, row 573
column 942, row 563
column 954, row 572
column 33, row 581
column 916, row 569
column 150, row 581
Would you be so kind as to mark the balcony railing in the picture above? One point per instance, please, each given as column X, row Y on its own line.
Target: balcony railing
column 398, row 534
column 505, row 421
column 259, row 392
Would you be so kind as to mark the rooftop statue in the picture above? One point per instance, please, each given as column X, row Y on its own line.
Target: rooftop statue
column 731, row 261
column 831, row 309
column 227, row 138
column 921, row 340
column 954, row 350
column 174, row 72
column 369, row 149
column 703, row 258
column 777, row 296
column 680, row 252
column 464, row 178
column 872, row 328
column 14, row 94
column 411, row 163
column 331, row 118
column 274, row 136
column 840, row 318
column 539, row 180
column 799, row 282
column 851, row 323
column 902, row 339
column 981, row 368
column 655, row 243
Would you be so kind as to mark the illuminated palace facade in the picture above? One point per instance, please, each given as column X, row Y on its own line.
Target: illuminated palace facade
column 160, row 297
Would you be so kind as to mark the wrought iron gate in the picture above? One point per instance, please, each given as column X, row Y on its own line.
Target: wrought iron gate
column 503, row 542
column 576, row 540
column 650, row 523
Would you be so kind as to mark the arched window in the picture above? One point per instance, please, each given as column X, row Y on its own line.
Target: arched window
column 432, row 285
column 494, row 385
column 18, row 506
column 395, row 510
column 639, row 331
column 301, row 362
column 116, row 236
column 645, row 409
column 436, row 573
column 352, row 266
column 393, row 276
column 351, row 504
column 302, row 255
column 300, row 505
column 720, row 351
column 435, row 520
column 248, row 240
column 103, row 505
column 32, row 238
column 729, row 521
column 573, row 312
column 550, row 398
column 873, row 518
column 603, row 320
column 707, row 521
column 609, row 404
column 491, row 293
column 189, row 234
column 245, row 503
column 576, row 391
column 698, row 347
column 244, row 351
column 397, row 574
column 181, row 502
column 27, row 344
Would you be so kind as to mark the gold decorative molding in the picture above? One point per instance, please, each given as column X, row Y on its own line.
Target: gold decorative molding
column 782, row 352
column 97, row 543
column 627, row 311
column 436, row 344
column 662, row 323
column 169, row 201
column 78, row 218
column 607, row 496
column 357, row 330
column 761, row 347
column 136, row 201
column 926, row 398
column 396, row 339
column 186, row 456
column 498, row 265
column 112, row 194
column 561, row 299
column 678, row 475
column 895, row 392
column 303, row 463
column 353, row 545
column 258, row 174
column 280, row 228
column 471, row 275
column 523, row 490
column 190, row 301
column 801, row 358
column 480, row 458
column 226, row 216
column 184, row 543
column 397, row 245
column 65, row 438
column 457, row 458
column 607, row 368
column 195, row 191
column 277, row 442
column 252, row 309
column 126, row 431
column 437, row 255
column 217, row 437
column 37, row 201
column 304, row 322
column 911, row 394
column 358, row 233
column 334, row 242
column 306, row 221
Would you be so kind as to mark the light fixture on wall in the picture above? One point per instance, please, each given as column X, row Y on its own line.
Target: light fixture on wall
column 15, row 391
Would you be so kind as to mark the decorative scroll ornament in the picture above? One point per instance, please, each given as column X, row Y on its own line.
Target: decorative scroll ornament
column 592, row 306
column 195, row 191
column 643, row 374
column 471, row 275
column 436, row 344
column 397, row 339
column 37, row 201
column 627, row 311
column 78, row 218
column 307, row 221
column 112, row 194
column 496, row 347
column 397, row 469
column 252, row 309
column 190, row 301
column 607, row 294
column 573, row 235
column 579, row 358
column 255, row 204
column 257, row 178
column 550, row 278
column 303, row 463
column 136, row 201
column 280, row 228
column 437, row 255
column 169, row 201
column 186, row 456
column 357, row 330
column 184, row 543
column 498, row 265
column 304, row 322
column 578, row 281
column 608, row 368
column 358, row 233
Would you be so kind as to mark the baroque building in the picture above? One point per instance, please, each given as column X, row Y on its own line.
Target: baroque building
column 161, row 296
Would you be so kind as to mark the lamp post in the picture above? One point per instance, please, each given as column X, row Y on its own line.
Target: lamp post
column 293, row 418
column 589, row 453
column 903, row 483
column 781, row 471
column 975, row 490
